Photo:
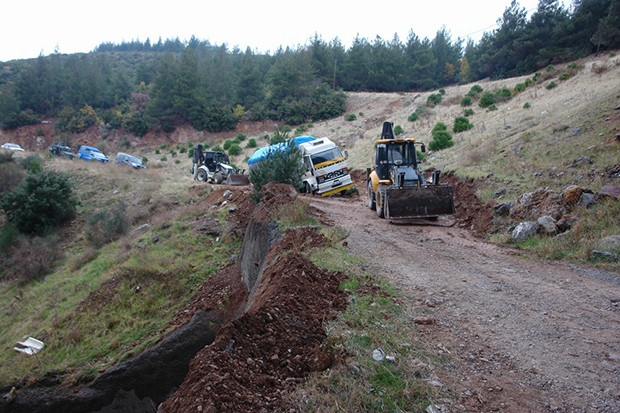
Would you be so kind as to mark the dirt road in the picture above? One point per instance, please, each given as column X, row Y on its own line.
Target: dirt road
column 520, row 334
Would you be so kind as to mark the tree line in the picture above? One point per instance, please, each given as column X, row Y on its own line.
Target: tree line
column 141, row 86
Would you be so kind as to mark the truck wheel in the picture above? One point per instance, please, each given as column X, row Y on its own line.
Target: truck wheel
column 307, row 189
column 370, row 197
column 218, row 178
column 201, row 175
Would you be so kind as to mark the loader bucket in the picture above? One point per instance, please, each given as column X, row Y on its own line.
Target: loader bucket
column 423, row 202
column 238, row 179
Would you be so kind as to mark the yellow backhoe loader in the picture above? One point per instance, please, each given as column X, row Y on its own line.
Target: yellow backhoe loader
column 396, row 187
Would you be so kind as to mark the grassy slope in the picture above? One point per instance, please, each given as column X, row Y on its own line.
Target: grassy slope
column 512, row 147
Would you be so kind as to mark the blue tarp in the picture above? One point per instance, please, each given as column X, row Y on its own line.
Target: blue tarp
column 263, row 153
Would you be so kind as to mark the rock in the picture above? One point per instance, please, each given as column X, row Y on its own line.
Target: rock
column 423, row 320
column 610, row 190
column 580, row 161
column 572, row 194
column 597, row 255
column 547, row 225
column 525, row 230
column 610, row 243
column 586, row 200
column 532, row 205
column 499, row 193
column 566, row 222
column 502, row 209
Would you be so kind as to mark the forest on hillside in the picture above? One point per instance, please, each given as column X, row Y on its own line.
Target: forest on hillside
column 140, row 86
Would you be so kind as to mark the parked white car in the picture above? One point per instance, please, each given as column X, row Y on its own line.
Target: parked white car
column 12, row 147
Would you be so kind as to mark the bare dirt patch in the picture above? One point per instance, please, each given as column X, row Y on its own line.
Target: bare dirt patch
column 517, row 334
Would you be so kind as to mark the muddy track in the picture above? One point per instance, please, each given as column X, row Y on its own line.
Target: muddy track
column 520, row 334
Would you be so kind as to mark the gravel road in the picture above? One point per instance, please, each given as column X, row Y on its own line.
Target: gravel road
column 520, row 334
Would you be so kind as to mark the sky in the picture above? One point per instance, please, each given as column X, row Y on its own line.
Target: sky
column 42, row 27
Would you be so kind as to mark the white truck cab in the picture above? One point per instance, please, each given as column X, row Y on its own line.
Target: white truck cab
column 326, row 168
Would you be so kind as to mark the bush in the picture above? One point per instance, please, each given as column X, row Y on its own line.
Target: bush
column 42, row 202
column 434, row 100
column 251, row 143
column 106, row 226
column 442, row 139
column 234, row 149
column 466, row 101
column 33, row 164
column 519, row 87
column 527, row 105
column 503, row 95
column 28, row 259
column 551, row 85
column 468, row 112
column 486, row 100
column 413, row 117
column 398, row 130
column 351, row 117
column 461, row 124
column 565, row 76
column 282, row 166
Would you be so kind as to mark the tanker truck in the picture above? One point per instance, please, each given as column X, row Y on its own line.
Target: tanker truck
column 326, row 171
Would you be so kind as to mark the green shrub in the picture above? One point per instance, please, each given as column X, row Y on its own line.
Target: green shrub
column 433, row 100
column 106, row 226
column 550, row 68
column 468, row 112
column 240, row 137
column 565, row 76
column 33, row 164
column 503, row 94
column 461, row 124
column 351, row 117
column 527, row 105
column 251, row 143
column 413, row 117
column 475, row 89
column 486, row 100
column 234, row 149
column 519, row 87
column 42, row 202
column 466, row 101
column 282, row 166
column 442, row 139
column 492, row 107
column 439, row 126
column 551, row 85
column 398, row 130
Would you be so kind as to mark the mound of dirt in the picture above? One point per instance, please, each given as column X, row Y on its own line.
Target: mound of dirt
column 266, row 346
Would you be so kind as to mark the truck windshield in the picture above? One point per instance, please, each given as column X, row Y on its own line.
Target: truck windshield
column 325, row 156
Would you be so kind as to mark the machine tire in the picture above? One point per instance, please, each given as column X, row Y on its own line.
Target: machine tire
column 379, row 204
column 201, row 175
column 370, row 197
column 218, row 178
column 307, row 189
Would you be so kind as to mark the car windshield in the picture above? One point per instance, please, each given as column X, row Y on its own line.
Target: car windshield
column 134, row 159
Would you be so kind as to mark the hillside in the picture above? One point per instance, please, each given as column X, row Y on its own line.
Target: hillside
column 176, row 262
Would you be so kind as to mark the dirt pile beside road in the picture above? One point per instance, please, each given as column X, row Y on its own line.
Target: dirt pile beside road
column 270, row 343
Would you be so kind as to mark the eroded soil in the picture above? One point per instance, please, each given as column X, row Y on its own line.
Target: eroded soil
column 518, row 334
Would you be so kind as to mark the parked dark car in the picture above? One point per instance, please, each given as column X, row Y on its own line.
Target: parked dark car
column 62, row 149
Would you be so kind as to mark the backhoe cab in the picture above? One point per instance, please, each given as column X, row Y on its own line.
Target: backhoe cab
column 396, row 187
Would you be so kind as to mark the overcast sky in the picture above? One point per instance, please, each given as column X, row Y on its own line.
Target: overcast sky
column 31, row 28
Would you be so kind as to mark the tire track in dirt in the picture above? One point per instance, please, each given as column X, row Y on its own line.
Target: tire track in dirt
column 521, row 334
